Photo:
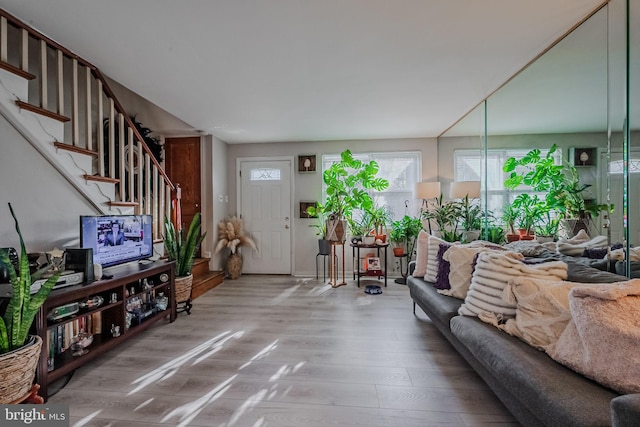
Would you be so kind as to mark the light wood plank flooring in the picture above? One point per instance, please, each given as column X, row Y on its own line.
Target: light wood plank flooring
column 285, row 352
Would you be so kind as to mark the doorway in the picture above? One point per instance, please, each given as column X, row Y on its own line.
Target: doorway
column 182, row 164
column 266, row 212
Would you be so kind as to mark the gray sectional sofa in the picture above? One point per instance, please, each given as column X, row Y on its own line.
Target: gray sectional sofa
column 537, row 390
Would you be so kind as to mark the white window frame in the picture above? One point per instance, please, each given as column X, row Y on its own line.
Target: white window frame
column 468, row 166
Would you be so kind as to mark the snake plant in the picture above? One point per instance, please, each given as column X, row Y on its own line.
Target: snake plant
column 22, row 307
column 180, row 248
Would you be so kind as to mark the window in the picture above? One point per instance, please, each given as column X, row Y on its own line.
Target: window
column 265, row 174
column 401, row 169
column 468, row 167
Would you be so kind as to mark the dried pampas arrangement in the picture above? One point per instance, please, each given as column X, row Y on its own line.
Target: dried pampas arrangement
column 231, row 235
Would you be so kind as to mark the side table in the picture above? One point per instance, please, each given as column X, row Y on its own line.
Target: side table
column 355, row 249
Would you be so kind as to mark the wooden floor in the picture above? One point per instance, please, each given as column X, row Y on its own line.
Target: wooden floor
column 285, row 352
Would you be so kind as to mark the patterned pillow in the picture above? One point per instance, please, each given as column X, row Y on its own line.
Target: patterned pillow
column 433, row 245
column 442, row 278
column 461, row 260
column 421, row 254
column 490, row 278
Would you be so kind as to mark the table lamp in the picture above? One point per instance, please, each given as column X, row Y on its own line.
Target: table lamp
column 426, row 191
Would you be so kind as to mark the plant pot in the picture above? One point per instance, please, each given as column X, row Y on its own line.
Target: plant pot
column 513, row 237
column 324, row 247
column 527, row 237
column 544, row 239
column 234, row 266
column 381, row 237
column 183, row 288
column 17, row 369
column 336, row 230
column 470, row 235
column 398, row 251
column 369, row 240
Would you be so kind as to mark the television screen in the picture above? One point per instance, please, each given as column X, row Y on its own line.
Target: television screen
column 117, row 239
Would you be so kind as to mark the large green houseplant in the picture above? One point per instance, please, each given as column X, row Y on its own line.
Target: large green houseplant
column 348, row 183
column 564, row 194
column 20, row 351
column 182, row 249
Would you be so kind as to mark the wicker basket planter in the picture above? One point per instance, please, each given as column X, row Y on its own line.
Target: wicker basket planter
column 234, row 266
column 183, row 288
column 17, row 369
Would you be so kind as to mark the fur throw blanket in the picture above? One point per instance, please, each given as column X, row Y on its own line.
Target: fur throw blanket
column 602, row 341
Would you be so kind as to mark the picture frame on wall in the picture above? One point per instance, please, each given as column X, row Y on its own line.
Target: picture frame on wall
column 304, row 205
column 306, row 163
column 584, row 156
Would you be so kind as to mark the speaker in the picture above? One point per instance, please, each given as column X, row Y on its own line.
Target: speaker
column 80, row 259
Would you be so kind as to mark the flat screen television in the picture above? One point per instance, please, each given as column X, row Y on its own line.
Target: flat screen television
column 117, row 239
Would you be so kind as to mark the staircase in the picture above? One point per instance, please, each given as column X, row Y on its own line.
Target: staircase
column 65, row 108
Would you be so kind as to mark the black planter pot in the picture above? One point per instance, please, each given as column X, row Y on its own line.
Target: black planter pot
column 324, row 247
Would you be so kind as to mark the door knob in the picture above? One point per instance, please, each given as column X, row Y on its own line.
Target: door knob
column 286, row 226
column 286, row 218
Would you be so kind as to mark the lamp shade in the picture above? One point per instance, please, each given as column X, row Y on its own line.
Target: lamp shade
column 427, row 190
column 461, row 189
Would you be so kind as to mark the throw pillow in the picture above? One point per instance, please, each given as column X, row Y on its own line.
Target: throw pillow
column 490, row 278
column 461, row 261
column 527, row 248
column 433, row 245
column 601, row 340
column 442, row 278
column 421, row 254
column 576, row 249
column 542, row 310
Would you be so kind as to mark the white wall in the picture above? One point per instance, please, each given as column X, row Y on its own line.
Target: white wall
column 309, row 186
column 47, row 206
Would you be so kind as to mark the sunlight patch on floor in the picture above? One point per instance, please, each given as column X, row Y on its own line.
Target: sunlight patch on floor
column 284, row 295
column 261, row 354
column 186, row 413
column 170, row 368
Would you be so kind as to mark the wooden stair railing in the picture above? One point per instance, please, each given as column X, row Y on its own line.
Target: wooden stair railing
column 85, row 103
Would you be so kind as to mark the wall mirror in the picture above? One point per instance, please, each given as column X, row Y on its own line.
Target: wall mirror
column 573, row 95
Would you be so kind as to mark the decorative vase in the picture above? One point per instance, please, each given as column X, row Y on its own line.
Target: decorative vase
column 17, row 369
column 234, row 266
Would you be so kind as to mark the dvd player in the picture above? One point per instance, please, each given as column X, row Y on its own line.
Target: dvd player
column 67, row 278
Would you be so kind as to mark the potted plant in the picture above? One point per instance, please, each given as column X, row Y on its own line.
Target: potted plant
column 547, row 228
column 231, row 236
column 359, row 229
column 404, row 232
column 380, row 217
column 20, row 351
column 348, row 183
column 319, row 213
column 509, row 216
column 471, row 219
column 182, row 249
column 446, row 215
column 531, row 209
column 564, row 194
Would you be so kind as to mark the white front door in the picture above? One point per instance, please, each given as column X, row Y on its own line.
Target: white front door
column 265, row 208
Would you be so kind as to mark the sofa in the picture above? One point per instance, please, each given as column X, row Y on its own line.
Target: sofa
column 537, row 390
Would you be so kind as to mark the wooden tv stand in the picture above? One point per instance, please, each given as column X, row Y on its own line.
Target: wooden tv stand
column 134, row 287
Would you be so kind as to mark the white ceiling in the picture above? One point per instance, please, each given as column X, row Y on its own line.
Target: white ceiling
column 307, row 70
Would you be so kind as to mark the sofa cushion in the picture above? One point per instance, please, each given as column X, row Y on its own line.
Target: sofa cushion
column 436, row 306
column 557, row 395
column 461, row 260
column 605, row 321
column 542, row 310
column 490, row 277
column 422, row 253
